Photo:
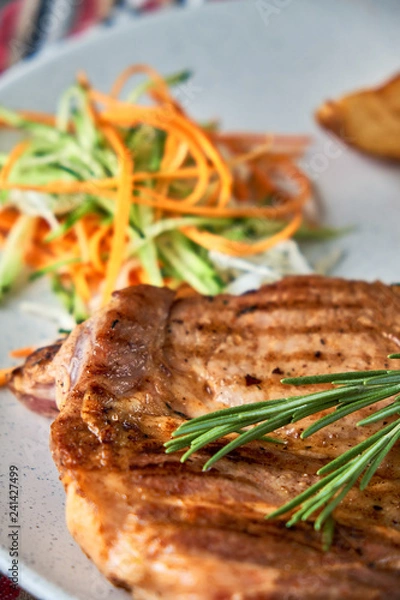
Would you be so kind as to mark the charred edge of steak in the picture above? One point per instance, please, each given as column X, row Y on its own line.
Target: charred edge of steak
column 33, row 382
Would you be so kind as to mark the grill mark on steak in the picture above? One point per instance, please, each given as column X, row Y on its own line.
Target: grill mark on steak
column 167, row 530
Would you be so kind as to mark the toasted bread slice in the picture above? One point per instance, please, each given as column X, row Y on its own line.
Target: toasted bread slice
column 368, row 119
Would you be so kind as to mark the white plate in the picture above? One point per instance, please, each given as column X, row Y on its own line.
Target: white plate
column 261, row 65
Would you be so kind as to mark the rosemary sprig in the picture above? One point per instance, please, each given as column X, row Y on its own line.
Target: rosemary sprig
column 352, row 391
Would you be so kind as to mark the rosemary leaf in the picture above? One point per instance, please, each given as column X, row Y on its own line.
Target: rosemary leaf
column 383, row 413
column 387, row 443
column 344, row 410
column 353, row 391
column 327, row 533
column 332, row 377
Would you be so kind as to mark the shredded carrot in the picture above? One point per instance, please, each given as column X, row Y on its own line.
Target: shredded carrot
column 5, row 376
column 216, row 242
column 295, row 202
column 38, row 117
column 255, row 153
column 175, row 152
column 149, row 197
column 8, row 216
column 121, row 213
column 262, row 180
column 94, row 248
column 15, row 154
column 22, row 352
column 175, row 122
column 83, row 241
column 81, row 285
column 202, row 173
column 241, row 189
column 160, row 92
column 290, row 145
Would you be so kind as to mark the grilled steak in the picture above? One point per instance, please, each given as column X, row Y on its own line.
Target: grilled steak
column 34, row 382
column 127, row 377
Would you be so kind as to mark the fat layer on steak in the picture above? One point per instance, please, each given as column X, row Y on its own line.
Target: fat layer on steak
column 127, row 377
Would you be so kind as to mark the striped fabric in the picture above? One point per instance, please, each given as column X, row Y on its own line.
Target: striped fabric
column 28, row 25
